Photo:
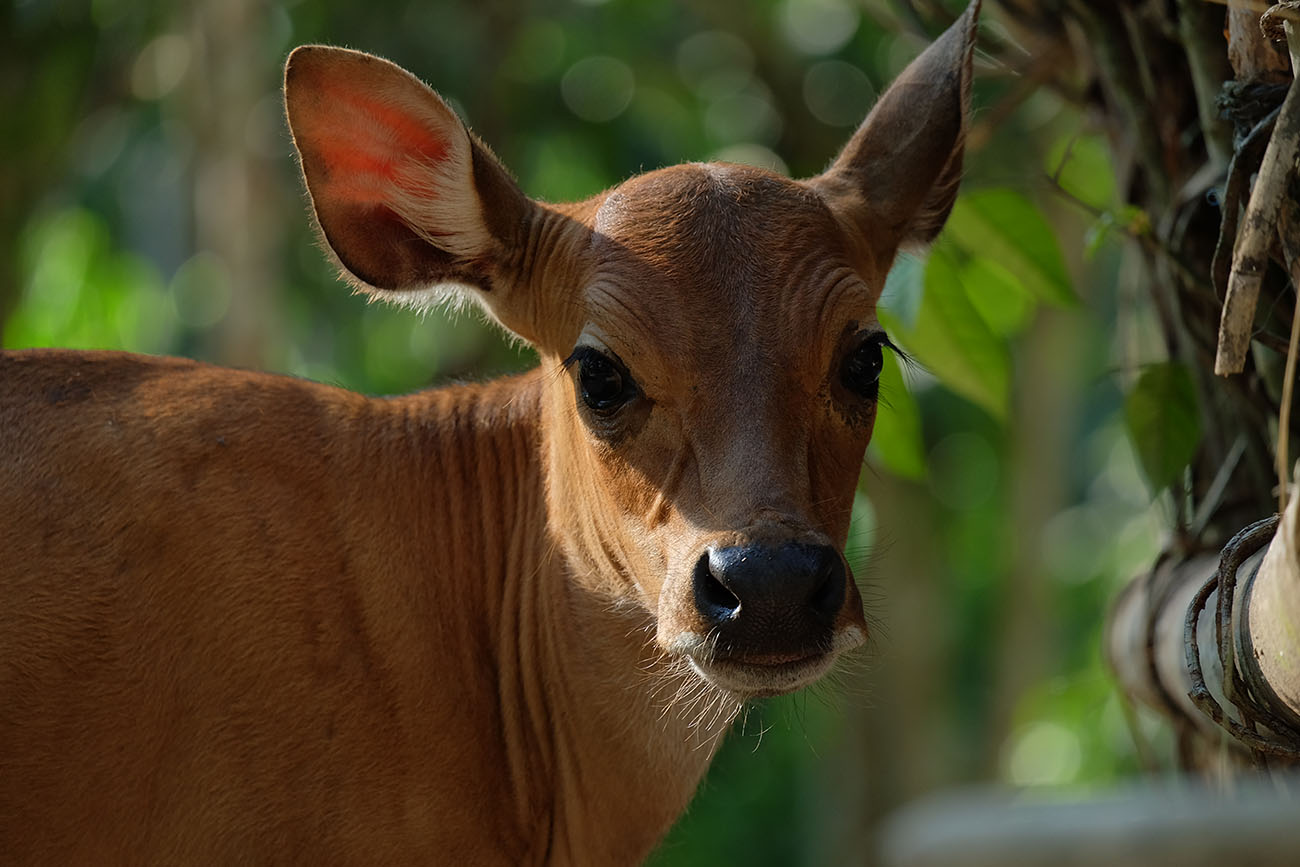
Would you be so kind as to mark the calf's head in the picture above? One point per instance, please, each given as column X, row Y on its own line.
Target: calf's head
column 708, row 334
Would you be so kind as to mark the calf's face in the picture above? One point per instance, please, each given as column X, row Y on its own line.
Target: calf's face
column 709, row 333
column 711, row 414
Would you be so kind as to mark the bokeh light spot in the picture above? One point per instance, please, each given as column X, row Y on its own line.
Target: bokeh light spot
column 1043, row 754
column 598, row 88
column 818, row 26
column 714, row 63
column 837, row 93
column 160, row 66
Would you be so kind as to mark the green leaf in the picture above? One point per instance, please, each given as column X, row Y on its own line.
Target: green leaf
column 1000, row 298
column 896, row 442
column 1081, row 165
column 1164, row 422
column 953, row 340
column 904, row 289
column 1003, row 225
column 1128, row 220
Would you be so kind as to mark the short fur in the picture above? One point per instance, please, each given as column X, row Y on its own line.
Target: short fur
column 247, row 618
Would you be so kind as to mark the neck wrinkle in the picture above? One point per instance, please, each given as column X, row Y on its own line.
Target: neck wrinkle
column 603, row 740
column 627, row 753
column 486, row 535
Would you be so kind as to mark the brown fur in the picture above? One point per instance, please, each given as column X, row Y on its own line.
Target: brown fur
column 249, row 618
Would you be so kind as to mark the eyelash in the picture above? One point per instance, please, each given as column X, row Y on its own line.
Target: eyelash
column 861, row 375
column 597, row 371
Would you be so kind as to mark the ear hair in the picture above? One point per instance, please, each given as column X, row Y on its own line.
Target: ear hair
column 415, row 209
column 395, row 178
column 433, row 198
column 895, row 182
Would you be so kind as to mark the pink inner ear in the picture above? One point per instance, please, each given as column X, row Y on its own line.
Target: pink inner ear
column 367, row 144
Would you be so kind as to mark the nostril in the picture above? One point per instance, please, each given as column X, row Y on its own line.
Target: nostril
column 828, row 586
column 713, row 600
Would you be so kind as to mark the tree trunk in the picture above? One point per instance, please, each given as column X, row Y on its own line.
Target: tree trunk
column 237, row 215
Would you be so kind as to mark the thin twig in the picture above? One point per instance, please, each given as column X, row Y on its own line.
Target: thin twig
column 1149, row 242
column 1284, row 412
column 1213, row 497
column 1200, row 28
column 1029, row 80
column 1240, row 169
column 911, row 17
column 1258, row 229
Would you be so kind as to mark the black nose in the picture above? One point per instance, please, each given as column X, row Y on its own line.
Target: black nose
column 763, row 597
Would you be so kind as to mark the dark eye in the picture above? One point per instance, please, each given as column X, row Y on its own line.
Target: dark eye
column 860, row 370
column 604, row 385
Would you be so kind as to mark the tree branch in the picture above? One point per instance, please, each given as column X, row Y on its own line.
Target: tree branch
column 1258, row 230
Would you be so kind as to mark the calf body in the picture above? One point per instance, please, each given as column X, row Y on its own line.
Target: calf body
column 269, row 621
column 246, row 617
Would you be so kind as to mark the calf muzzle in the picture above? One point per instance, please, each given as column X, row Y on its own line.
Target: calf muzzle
column 770, row 604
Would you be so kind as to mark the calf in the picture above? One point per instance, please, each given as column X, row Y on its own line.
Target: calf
column 249, row 618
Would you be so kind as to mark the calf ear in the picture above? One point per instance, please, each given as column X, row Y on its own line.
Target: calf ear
column 413, row 205
column 895, row 182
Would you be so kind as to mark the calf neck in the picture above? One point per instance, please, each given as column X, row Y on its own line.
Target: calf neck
column 247, row 617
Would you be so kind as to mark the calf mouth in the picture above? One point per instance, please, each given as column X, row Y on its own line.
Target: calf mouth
column 759, row 675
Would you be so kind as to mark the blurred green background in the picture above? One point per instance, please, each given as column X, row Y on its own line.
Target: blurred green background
column 149, row 201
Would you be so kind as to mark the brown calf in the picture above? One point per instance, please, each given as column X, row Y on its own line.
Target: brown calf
column 246, row 618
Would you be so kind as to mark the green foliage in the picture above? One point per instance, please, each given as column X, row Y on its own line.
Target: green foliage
column 1164, row 422
column 1003, row 225
column 896, row 441
column 1081, row 165
column 79, row 290
column 1001, row 300
column 981, row 285
column 1126, row 220
column 951, row 338
column 1067, row 731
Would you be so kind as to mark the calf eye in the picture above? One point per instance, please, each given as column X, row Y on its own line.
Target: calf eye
column 604, row 384
column 860, row 370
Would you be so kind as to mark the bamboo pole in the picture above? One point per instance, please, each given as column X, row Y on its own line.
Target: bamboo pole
column 1268, row 631
column 1228, row 679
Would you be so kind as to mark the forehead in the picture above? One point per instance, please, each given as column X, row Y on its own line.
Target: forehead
column 675, row 217
column 720, row 257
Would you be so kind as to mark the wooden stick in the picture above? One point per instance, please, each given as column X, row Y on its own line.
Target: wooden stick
column 1258, row 229
column 1288, row 379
